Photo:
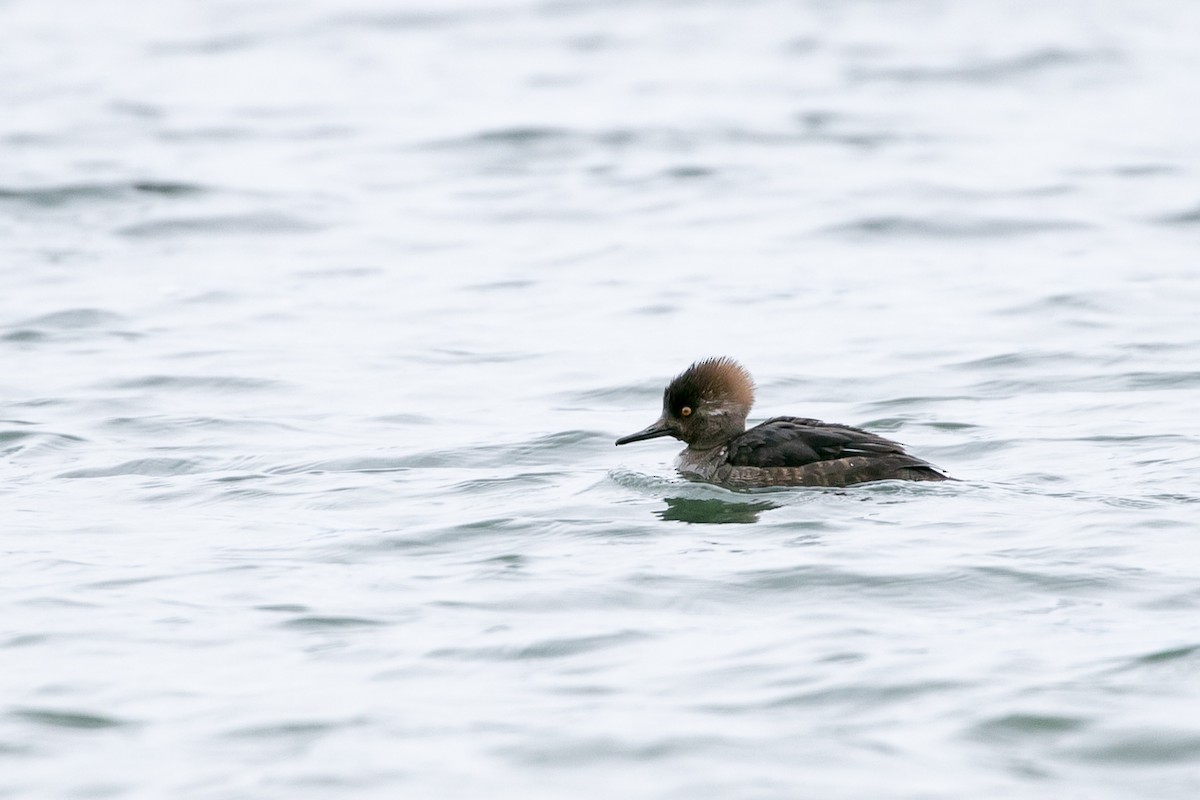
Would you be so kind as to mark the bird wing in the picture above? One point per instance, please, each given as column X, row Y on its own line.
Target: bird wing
column 796, row 441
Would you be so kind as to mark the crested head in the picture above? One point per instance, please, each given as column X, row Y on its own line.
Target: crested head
column 705, row 405
column 713, row 382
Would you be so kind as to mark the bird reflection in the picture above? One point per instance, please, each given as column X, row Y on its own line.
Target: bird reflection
column 687, row 509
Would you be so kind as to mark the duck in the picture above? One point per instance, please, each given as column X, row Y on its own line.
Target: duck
column 706, row 406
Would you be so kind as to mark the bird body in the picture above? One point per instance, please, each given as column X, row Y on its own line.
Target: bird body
column 706, row 406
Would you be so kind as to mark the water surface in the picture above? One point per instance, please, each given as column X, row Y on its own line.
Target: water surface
column 318, row 321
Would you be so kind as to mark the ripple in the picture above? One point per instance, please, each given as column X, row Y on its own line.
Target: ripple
column 547, row 649
column 407, row 20
column 214, row 44
column 1085, row 301
column 1004, row 579
column 539, row 451
column 296, row 728
column 368, row 464
column 237, row 224
column 21, row 435
column 1114, row 382
column 1024, row 358
column 1009, row 727
column 606, row 395
column 1189, row 217
column 991, row 71
column 1143, row 747
column 323, row 622
column 193, row 382
column 923, row 588
column 225, row 134
column 811, row 576
column 67, row 325
column 53, row 196
column 450, row 355
column 832, row 127
column 20, row 336
column 657, row 485
column 26, row 640
column 1175, row 660
column 689, row 172
column 860, row 695
column 77, row 720
column 503, row 286
column 573, row 750
column 540, row 141
column 73, row 319
column 13, row 442
column 895, row 424
column 964, row 228
column 506, row 484
column 914, row 401
column 1174, row 654
column 516, row 136
column 153, row 467
column 164, row 424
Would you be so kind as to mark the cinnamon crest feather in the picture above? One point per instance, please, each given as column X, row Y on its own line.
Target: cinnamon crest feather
column 713, row 380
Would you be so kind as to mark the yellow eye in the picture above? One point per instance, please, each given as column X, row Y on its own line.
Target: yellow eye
column 686, row 411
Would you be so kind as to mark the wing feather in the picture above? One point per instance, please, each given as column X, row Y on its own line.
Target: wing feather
column 797, row 441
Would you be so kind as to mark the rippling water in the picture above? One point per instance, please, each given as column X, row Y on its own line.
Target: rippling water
column 318, row 321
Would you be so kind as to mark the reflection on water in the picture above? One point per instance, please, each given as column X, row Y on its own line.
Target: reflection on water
column 688, row 509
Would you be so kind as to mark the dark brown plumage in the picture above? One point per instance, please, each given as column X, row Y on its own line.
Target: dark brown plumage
column 706, row 407
column 710, row 380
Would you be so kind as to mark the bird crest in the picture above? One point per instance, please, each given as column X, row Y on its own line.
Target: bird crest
column 713, row 381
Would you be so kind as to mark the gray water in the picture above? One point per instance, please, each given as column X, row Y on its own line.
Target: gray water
column 318, row 321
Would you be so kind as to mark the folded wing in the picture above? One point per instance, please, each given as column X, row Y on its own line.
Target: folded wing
column 797, row 441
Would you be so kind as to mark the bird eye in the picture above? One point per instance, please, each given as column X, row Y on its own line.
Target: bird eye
column 686, row 411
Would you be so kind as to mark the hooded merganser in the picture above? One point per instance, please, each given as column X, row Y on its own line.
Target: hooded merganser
column 706, row 407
